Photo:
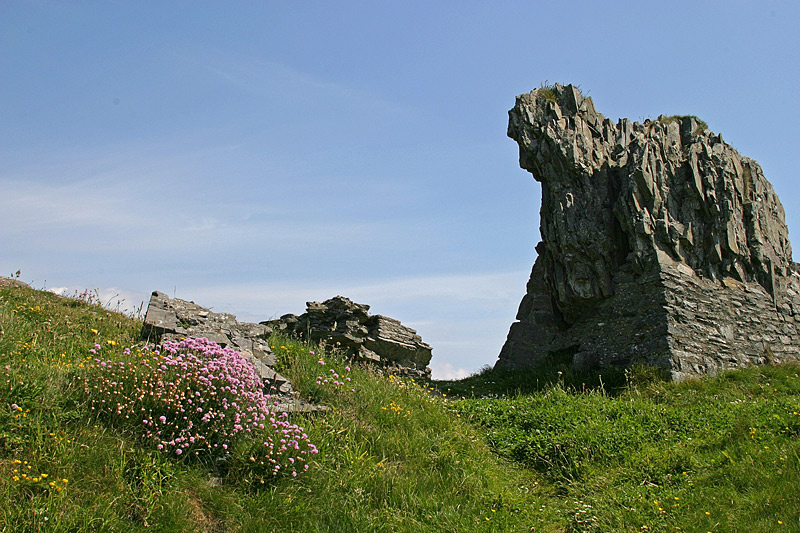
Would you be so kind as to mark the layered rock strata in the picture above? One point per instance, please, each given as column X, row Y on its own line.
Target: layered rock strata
column 660, row 244
column 171, row 319
column 375, row 339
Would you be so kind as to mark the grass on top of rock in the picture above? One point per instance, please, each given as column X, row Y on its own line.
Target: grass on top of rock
column 548, row 92
column 700, row 127
column 570, row 454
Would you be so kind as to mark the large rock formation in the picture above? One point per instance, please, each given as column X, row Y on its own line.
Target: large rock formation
column 375, row 339
column 173, row 319
column 660, row 244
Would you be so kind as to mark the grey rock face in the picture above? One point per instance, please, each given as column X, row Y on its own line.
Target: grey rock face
column 660, row 244
column 376, row 339
column 171, row 319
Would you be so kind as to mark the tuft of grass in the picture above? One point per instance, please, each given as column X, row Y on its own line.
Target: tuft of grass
column 548, row 92
column 700, row 127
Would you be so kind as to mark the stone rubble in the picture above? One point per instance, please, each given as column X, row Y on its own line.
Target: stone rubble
column 171, row 319
column 378, row 339
column 660, row 245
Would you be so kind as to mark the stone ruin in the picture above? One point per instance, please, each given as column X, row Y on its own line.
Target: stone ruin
column 337, row 322
column 173, row 319
column 377, row 339
column 660, row 245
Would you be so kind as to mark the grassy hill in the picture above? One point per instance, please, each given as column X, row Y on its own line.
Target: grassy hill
column 495, row 452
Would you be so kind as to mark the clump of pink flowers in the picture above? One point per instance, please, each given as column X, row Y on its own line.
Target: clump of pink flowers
column 333, row 378
column 195, row 399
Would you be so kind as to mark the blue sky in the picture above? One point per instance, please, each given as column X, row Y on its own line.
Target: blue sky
column 252, row 156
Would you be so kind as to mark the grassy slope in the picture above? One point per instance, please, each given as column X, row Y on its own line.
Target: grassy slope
column 713, row 454
column 719, row 454
column 392, row 457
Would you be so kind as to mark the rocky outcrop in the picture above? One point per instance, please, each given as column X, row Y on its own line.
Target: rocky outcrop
column 660, row 244
column 348, row 325
column 173, row 319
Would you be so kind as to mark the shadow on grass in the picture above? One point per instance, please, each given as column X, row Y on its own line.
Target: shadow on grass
column 555, row 370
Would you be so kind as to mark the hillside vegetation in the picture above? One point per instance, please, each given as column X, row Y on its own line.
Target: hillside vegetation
column 496, row 452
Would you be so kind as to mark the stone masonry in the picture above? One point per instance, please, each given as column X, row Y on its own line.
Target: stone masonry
column 375, row 339
column 660, row 245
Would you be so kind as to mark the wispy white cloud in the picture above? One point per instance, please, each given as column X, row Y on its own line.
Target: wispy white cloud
column 446, row 371
column 118, row 213
column 27, row 207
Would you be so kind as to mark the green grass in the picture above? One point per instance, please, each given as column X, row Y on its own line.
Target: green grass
column 392, row 456
column 555, row 370
column 500, row 451
column 548, row 92
column 717, row 454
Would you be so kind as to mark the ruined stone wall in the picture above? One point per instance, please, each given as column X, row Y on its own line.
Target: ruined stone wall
column 660, row 244
column 378, row 339
column 714, row 326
